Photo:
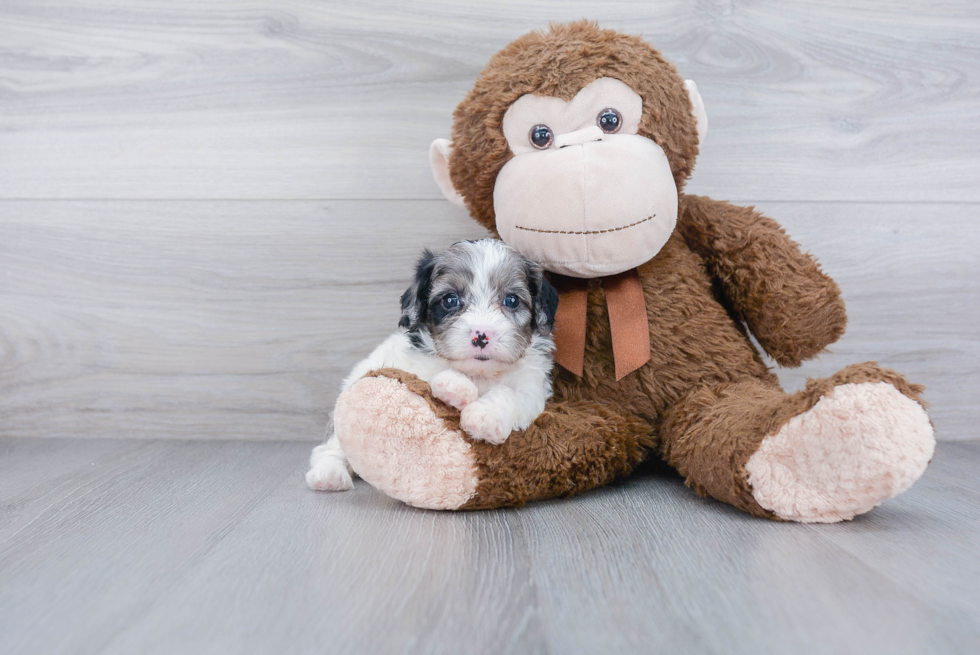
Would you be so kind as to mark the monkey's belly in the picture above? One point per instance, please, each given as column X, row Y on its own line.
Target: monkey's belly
column 693, row 340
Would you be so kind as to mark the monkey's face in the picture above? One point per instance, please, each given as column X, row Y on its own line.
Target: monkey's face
column 572, row 146
column 584, row 194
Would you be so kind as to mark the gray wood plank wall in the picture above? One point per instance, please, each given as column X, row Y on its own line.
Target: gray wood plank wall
column 208, row 209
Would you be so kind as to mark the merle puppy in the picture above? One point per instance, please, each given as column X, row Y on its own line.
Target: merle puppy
column 476, row 325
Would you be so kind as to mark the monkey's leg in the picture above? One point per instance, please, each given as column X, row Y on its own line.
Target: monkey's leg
column 827, row 453
column 409, row 445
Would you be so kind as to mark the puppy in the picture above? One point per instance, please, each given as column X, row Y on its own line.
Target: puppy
column 476, row 325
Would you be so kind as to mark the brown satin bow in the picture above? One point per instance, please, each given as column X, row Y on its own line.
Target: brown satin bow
column 627, row 320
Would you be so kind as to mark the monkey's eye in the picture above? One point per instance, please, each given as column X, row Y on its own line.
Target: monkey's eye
column 511, row 301
column 450, row 301
column 541, row 137
column 609, row 120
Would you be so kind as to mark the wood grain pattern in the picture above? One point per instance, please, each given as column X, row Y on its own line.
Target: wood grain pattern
column 197, row 320
column 181, row 546
column 229, row 100
column 910, row 275
column 208, row 211
column 237, row 320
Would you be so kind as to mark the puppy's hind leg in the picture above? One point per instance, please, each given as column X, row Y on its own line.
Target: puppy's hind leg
column 329, row 469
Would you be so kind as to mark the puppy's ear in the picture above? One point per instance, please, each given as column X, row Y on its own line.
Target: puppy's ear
column 415, row 300
column 544, row 298
column 548, row 306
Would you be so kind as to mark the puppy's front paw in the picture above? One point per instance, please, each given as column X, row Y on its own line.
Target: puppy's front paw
column 486, row 422
column 329, row 474
column 454, row 389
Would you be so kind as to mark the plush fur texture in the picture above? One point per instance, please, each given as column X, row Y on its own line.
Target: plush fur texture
column 569, row 449
column 559, row 63
column 395, row 441
column 861, row 443
column 705, row 402
column 780, row 293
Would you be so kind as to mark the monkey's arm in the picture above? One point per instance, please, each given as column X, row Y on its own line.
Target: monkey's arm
column 790, row 305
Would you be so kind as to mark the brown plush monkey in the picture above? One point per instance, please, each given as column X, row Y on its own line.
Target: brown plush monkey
column 573, row 147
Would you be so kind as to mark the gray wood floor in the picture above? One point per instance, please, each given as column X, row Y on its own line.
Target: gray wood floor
column 174, row 546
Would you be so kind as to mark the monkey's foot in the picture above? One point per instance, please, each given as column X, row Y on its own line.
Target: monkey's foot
column 860, row 444
column 397, row 440
column 409, row 445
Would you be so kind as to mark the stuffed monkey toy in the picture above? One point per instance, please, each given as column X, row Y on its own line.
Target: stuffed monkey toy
column 573, row 147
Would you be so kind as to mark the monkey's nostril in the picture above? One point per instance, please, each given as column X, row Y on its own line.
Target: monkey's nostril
column 565, row 145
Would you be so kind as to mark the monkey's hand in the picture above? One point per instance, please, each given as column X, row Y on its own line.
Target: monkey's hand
column 792, row 307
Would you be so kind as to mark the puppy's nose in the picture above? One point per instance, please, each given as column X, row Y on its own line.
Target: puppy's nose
column 480, row 339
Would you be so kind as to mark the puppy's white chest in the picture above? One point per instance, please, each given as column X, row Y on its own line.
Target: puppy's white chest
column 485, row 384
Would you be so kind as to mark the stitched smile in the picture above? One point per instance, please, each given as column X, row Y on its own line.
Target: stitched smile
column 612, row 229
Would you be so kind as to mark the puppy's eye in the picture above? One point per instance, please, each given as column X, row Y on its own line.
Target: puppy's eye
column 541, row 137
column 450, row 301
column 511, row 301
column 609, row 120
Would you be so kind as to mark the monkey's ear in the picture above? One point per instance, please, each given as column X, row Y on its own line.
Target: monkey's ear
column 697, row 106
column 439, row 160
